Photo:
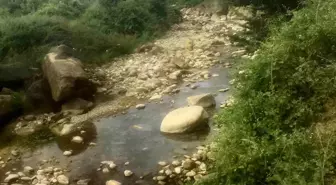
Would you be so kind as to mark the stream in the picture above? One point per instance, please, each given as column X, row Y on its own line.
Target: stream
column 133, row 137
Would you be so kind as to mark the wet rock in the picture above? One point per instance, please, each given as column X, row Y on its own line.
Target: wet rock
column 188, row 164
column 25, row 179
column 193, row 86
column 77, row 139
column 224, row 90
column 168, row 172
column 128, row 173
column 112, row 182
column 140, row 106
column 162, row 163
column 66, row 78
column 77, row 106
column 184, row 120
column 84, row 182
column 203, row 100
column 62, row 179
column 11, row 177
column 67, row 153
column 155, row 97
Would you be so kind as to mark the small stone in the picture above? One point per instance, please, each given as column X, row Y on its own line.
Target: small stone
column 155, row 97
column 161, row 183
column 112, row 166
column 83, row 132
column 162, row 163
column 21, row 174
column 215, row 75
column 127, row 163
column 35, row 181
column 161, row 171
column 161, row 178
column 40, row 172
column 128, row 173
column 224, row 90
column 29, row 117
column 11, row 177
column 178, row 170
column 168, row 172
column 198, row 177
column 203, row 167
column 191, row 174
column 217, row 54
column 193, row 86
column 62, row 179
column 28, row 169
column 25, row 178
column 15, row 153
column 67, row 153
column 106, row 170
column 92, row 144
column 112, row 182
column 176, row 163
column 77, row 139
column 140, row 106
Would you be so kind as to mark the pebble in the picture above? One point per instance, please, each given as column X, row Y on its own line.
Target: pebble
column 202, row 167
column 77, row 139
column 178, row 170
column 28, row 169
column 193, row 86
column 161, row 178
column 128, row 173
column 224, row 90
column 14, row 152
column 112, row 182
column 11, row 177
column 127, row 163
column 83, row 132
column 92, row 144
column 140, row 106
column 191, row 174
column 168, row 172
column 62, row 179
column 215, row 75
column 161, row 183
column 106, row 170
column 176, row 163
column 162, row 163
column 21, row 174
column 67, row 153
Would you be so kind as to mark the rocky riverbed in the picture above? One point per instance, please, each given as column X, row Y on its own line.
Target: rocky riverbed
column 119, row 140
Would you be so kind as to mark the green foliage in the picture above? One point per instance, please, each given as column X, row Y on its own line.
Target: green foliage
column 268, row 136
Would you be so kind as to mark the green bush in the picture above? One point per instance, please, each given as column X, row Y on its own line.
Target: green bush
column 268, row 136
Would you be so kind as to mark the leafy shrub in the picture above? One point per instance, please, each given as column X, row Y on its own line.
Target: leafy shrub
column 268, row 136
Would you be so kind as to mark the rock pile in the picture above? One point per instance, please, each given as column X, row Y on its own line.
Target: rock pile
column 189, row 169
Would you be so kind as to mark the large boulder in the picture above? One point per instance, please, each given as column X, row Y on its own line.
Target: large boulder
column 66, row 77
column 203, row 100
column 184, row 120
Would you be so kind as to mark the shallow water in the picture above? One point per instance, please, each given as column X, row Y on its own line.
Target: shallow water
column 134, row 137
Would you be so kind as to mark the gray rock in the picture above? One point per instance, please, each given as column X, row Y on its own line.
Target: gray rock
column 11, row 177
column 66, row 78
column 140, row 106
column 62, row 179
column 77, row 139
column 203, row 100
column 184, row 120
column 67, row 153
column 128, row 173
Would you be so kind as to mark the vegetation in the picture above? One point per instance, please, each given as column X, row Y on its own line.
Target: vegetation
column 281, row 128
column 97, row 29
